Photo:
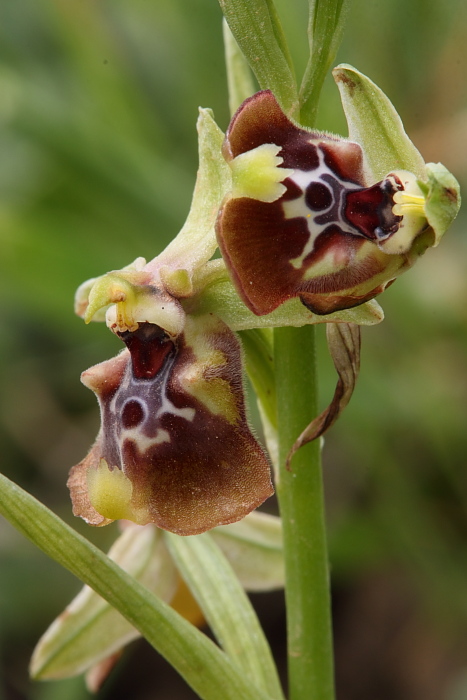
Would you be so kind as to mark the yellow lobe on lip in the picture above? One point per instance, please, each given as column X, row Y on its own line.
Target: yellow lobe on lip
column 110, row 492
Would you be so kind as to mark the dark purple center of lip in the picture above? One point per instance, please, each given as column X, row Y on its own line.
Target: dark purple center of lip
column 132, row 414
column 318, row 196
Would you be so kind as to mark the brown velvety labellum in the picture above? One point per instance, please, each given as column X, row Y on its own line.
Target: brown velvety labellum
column 313, row 241
column 176, row 426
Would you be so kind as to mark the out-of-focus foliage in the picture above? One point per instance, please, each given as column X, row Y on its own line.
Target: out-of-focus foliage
column 98, row 103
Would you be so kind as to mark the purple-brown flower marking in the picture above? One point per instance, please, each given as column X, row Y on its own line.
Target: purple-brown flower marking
column 174, row 448
column 325, row 236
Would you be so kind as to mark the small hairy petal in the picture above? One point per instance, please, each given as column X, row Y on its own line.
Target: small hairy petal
column 175, row 448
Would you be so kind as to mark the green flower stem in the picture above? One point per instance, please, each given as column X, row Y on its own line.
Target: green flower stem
column 300, row 494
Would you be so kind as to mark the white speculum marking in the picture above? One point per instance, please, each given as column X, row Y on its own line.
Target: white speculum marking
column 168, row 407
column 142, row 396
column 298, row 207
column 142, row 441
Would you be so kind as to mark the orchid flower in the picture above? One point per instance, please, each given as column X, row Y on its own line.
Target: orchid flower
column 309, row 228
column 175, row 448
column 305, row 217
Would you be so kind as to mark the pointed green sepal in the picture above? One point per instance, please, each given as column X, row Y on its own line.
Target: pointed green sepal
column 220, row 298
column 374, row 124
column 196, row 242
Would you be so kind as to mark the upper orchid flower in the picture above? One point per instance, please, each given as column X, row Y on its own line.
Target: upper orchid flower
column 308, row 217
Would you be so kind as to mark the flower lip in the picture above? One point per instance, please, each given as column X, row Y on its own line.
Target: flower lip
column 175, row 448
column 332, row 239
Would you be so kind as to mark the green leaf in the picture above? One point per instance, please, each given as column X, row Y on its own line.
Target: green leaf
column 226, row 608
column 258, row 32
column 90, row 629
column 239, row 77
column 374, row 124
column 198, row 660
column 253, row 547
column 325, row 28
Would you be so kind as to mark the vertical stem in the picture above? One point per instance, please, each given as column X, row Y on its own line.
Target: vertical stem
column 300, row 494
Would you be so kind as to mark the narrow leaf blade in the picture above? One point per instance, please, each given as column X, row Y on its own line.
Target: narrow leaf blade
column 257, row 30
column 239, row 75
column 326, row 21
column 254, row 549
column 226, row 608
column 90, row 630
column 198, row 660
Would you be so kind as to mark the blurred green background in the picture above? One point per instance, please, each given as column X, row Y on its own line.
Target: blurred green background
column 98, row 103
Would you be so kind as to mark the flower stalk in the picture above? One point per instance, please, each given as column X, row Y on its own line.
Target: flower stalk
column 301, row 502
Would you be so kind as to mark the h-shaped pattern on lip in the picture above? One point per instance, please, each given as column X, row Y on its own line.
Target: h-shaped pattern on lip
column 328, row 236
column 175, row 448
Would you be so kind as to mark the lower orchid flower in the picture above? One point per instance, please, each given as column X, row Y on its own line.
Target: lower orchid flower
column 175, row 448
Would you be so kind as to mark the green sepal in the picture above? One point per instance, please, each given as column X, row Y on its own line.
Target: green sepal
column 219, row 297
column 90, row 629
column 258, row 32
column 374, row 124
column 253, row 547
column 442, row 198
column 226, row 607
column 196, row 242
